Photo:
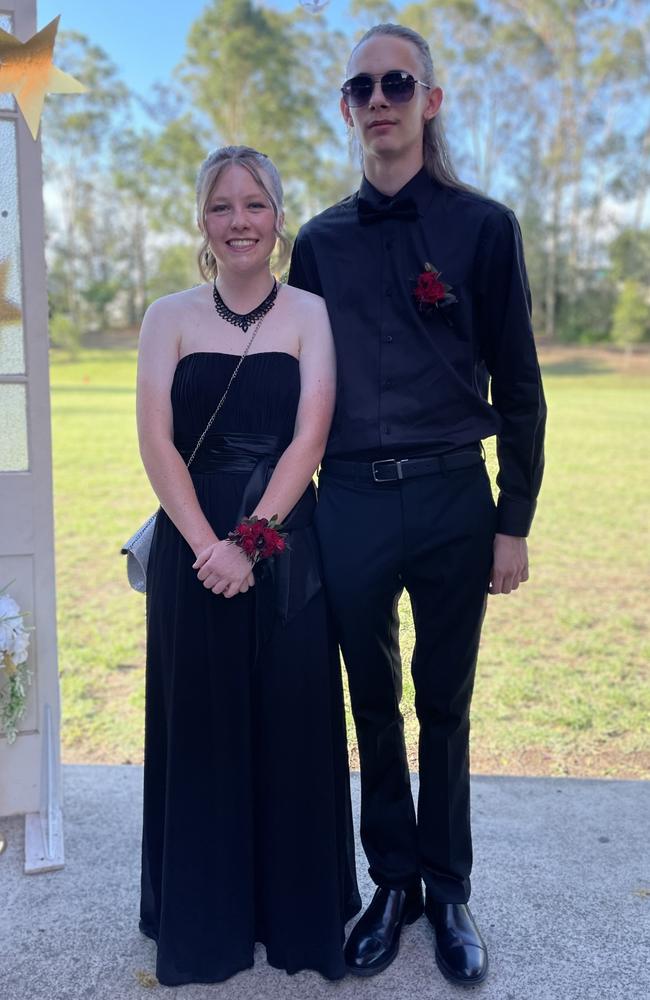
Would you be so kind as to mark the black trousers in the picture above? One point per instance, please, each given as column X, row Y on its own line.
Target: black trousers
column 432, row 535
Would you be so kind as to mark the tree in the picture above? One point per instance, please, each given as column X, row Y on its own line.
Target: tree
column 629, row 254
column 76, row 134
column 171, row 160
column 245, row 69
column 99, row 294
column 252, row 76
column 631, row 323
column 580, row 74
column 175, row 267
column 136, row 201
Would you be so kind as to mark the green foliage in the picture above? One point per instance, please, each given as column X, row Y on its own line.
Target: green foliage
column 246, row 71
column 81, row 124
column 99, row 294
column 629, row 254
column 84, row 237
column 57, row 280
column 586, row 318
column 374, row 11
column 128, row 172
column 175, row 268
column 251, row 76
column 171, row 160
column 65, row 333
column 13, row 698
column 631, row 323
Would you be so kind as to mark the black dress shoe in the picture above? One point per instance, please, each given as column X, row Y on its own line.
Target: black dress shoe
column 461, row 953
column 374, row 941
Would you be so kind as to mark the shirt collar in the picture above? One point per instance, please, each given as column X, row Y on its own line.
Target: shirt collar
column 421, row 188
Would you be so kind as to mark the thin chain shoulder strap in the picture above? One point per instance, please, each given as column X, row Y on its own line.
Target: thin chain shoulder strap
column 223, row 398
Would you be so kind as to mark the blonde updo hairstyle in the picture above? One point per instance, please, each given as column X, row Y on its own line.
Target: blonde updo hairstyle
column 263, row 172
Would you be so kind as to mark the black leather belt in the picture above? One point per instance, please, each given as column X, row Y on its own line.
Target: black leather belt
column 388, row 470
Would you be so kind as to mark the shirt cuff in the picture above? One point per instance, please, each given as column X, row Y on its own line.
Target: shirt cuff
column 514, row 517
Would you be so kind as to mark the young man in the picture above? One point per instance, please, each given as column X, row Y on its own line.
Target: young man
column 427, row 293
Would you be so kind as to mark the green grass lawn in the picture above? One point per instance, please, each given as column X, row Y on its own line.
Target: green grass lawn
column 562, row 681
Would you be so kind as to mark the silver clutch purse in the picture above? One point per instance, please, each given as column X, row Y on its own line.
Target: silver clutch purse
column 137, row 551
column 138, row 547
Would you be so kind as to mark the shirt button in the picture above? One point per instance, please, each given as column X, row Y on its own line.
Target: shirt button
column 387, row 383
column 388, row 339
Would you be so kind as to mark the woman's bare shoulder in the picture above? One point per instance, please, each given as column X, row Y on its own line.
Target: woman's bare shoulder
column 170, row 313
column 167, row 317
column 177, row 302
column 299, row 299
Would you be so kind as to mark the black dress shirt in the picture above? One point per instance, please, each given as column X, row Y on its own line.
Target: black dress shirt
column 411, row 382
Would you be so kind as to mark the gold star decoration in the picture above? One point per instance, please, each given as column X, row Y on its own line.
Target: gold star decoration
column 27, row 72
column 9, row 312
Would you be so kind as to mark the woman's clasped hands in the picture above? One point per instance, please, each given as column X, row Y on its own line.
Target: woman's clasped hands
column 224, row 569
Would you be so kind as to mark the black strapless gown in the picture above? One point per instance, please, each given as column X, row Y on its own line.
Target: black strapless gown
column 247, row 831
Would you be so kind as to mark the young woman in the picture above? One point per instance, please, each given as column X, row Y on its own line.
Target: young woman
column 247, row 822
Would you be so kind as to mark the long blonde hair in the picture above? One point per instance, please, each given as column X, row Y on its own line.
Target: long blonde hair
column 437, row 157
column 264, row 173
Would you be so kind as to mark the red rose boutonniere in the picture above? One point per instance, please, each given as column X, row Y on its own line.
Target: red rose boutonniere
column 430, row 292
column 259, row 538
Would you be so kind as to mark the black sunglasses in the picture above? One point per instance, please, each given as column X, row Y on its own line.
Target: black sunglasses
column 397, row 86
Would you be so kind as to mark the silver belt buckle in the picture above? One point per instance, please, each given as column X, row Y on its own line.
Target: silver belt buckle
column 397, row 462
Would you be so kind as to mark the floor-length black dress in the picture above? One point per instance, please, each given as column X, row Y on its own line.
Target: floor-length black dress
column 247, row 830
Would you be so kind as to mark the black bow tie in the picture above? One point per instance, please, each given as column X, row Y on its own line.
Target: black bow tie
column 405, row 208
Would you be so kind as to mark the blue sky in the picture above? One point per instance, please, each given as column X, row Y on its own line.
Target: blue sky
column 146, row 38
column 142, row 40
column 146, row 42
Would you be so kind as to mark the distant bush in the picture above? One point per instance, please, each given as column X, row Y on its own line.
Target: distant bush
column 631, row 321
column 588, row 319
column 65, row 333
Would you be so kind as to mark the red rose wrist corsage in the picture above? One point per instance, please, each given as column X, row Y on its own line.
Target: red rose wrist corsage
column 259, row 538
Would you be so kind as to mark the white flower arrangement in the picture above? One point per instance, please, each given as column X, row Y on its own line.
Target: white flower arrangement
column 15, row 677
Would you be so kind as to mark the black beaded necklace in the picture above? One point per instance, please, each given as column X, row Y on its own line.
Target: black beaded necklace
column 244, row 320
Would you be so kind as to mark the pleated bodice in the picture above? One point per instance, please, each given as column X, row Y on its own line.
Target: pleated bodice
column 263, row 399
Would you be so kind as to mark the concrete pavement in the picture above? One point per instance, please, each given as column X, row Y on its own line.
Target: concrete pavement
column 561, row 892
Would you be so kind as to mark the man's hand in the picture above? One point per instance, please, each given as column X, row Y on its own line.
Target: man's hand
column 510, row 564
